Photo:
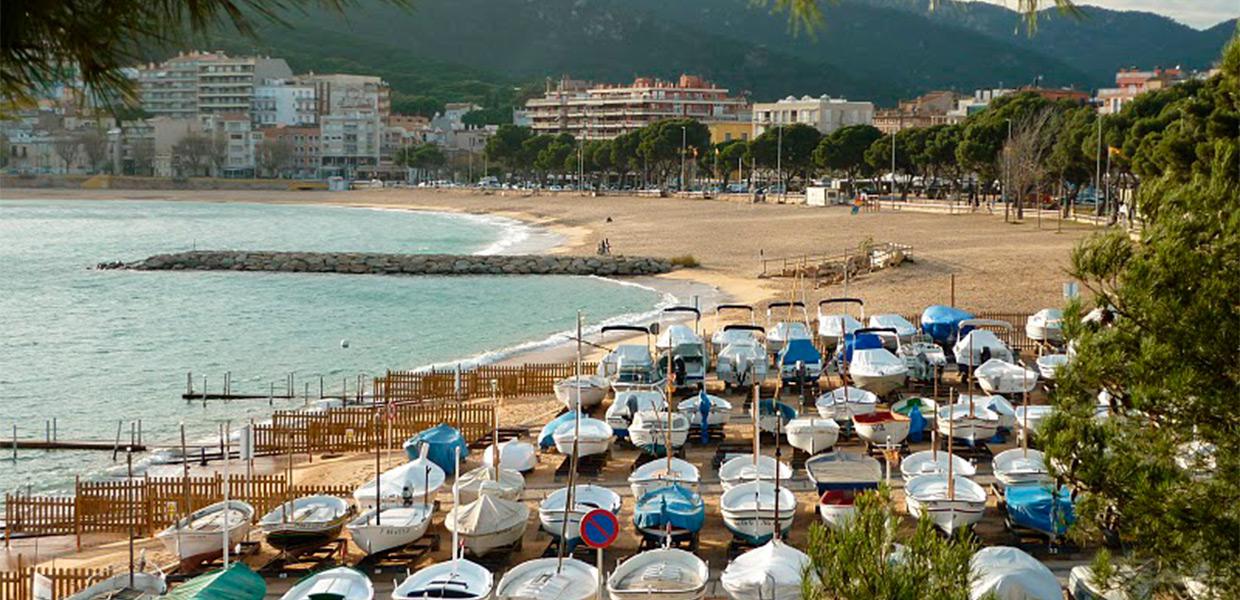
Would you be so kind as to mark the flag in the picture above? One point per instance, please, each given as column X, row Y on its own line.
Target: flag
column 1115, row 151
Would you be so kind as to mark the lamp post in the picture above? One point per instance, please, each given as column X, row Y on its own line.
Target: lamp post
column 779, row 160
column 893, row 163
column 684, row 138
column 1007, row 170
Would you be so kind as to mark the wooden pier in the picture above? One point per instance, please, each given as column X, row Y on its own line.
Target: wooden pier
column 37, row 444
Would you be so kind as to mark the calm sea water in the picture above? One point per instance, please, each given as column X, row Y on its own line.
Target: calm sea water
column 96, row 347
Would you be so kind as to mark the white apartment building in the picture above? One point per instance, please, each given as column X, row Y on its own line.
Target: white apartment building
column 284, row 102
column 349, row 140
column 205, row 83
column 824, row 113
column 241, row 141
column 341, row 93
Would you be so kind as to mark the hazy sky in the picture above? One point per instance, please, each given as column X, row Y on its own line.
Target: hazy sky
column 1197, row 13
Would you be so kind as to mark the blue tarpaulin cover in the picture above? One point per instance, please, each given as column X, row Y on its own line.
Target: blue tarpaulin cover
column 768, row 406
column 674, row 505
column 941, row 322
column 544, row 437
column 442, row 440
column 864, row 341
column 799, row 350
column 1039, row 507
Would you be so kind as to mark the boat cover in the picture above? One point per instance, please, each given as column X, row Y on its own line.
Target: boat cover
column 546, row 437
column 1006, row 573
column 844, row 471
column 864, row 341
column 482, row 481
column 1040, row 508
column 978, row 340
column 799, row 349
column 771, row 572
column 236, row 583
column 876, row 362
column 942, row 322
column 487, row 514
column 903, row 328
column 674, row 506
column 442, row 440
column 768, row 406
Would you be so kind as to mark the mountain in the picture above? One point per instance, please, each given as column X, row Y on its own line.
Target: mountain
column 866, row 49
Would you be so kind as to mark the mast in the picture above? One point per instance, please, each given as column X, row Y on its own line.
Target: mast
column 951, row 473
column 1024, row 425
column 779, row 421
column 456, row 506
column 378, row 470
column 757, row 431
column 570, row 493
column 843, row 365
column 670, row 384
column 227, row 484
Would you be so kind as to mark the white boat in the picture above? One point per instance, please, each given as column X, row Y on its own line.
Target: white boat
column 626, row 404
column 950, row 509
column 657, row 473
column 1030, row 418
column 932, row 462
column 307, row 522
column 719, row 414
column 630, row 366
column 973, row 423
column 593, row 390
column 488, row 523
column 744, row 361
column 651, row 431
column 843, row 402
column 420, row 479
column 1020, row 466
column 686, row 346
column 518, row 455
column 1006, row 573
column 592, row 436
column 586, row 497
column 724, row 336
column 845, row 471
column 791, row 327
column 924, row 358
column 340, row 583
column 837, row 507
column 812, row 434
column 1046, row 325
column 454, row 578
column 997, row 376
column 904, row 330
column 994, row 403
column 483, row 481
column 659, row 574
column 200, row 536
column 833, row 326
column 773, row 571
column 877, row 370
column 749, row 510
column 1050, row 364
column 741, row 469
column 926, row 406
column 394, row 527
column 978, row 342
column 125, row 586
column 882, row 428
column 549, row 579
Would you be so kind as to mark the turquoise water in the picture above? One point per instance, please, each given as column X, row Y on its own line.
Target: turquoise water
column 95, row 347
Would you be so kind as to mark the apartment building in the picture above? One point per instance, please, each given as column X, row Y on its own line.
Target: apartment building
column 284, row 102
column 1130, row 83
column 206, row 83
column 824, row 113
column 350, row 140
column 340, row 93
column 926, row 110
column 304, row 143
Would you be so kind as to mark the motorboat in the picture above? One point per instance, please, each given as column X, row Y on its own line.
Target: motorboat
column 942, row 323
column 1082, row 585
column 441, row 443
column 1006, row 573
column 669, row 511
column 743, row 362
column 882, row 428
column 1039, row 507
column 626, row 404
column 750, row 510
column 1050, row 364
column 1046, row 325
column 951, row 502
column 651, row 431
column 973, row 424
column 518, row 455
column 659, row 574
column 799, row 362
column 417, row 479
column 716, row 410
column 237, row 582
column 772, row 571
column 924, row 358
column 507, row 483
column 934, row 462
column 488, row 523
column 686, row 346
column 306, row 522
column 549, row 579
column 592, row 389
column 997, row 376
column 379, row 530
column 792, row 327
column 662, row 473
column 631, row 366
column 903, row 330
column 837, row 507
column 994, row 403
column 843, row 402
column 721, row 338
column 773, row 414
column 978, row 345
column 846, row 471
column 1020, row 466
column 125, row 586
column 925, row 407
column 199, row 536
column 874, row 368
column 833, row 326
column 1029, row 418
column 812, row 434
column 586, row 497
column 591, row 436
column 744, row 468
column 340, row 583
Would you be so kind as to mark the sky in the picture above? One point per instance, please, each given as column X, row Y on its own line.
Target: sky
column 1201, row 14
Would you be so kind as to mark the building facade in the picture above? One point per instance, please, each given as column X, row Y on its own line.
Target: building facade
column 1130, row 83
column 205, row 83
column 927, row 110
column 727, row 131
column 824, row 113
column 350, row 140
column 283, row 102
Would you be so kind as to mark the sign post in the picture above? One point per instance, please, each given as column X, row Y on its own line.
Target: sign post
column 599, row 529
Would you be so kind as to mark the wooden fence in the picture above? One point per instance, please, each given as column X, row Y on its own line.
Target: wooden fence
column 18, row 584
column 443, row 384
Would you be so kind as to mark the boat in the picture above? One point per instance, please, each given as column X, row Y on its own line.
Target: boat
column 236, row 582
column 750, row 510
column 379, row 530
column 837, row 507
column 997, row 376
column 586, row 497
column 1039, row 507
column 507, row 483
column 630, row 366
column 903, row 330
column 199, row 536
column 659, row 574
column 549, row 579
column 994, row 403
column 978, row 345
column 670, row 510
column 1083, row 586
column 716, row 410
column 743, row 468
column 626, row 404
column 340, row 583
column 773, row 414
column 592, row 388
column 1030, row 418
column 843, row 471
column 743, row 361
column 934, row 462
column 812, row 434
column 417, row 479
column 686, row 346
column 833, row 326
column 1046, row 325
column 125, row 586
column 722, row 337
column 799, row 362
column 661, row 473
column 305, row 523
column 924, row 358
column 951, row 503
column 882, row 428
column 1050, row 364
column 488, row 523
column 1020, row 466
column 872, row 367
column 441, row 441
column 973, row 423
column 925, row 407
column 772, row 571
column 591, row 436
column 518, row 455
column 1006, row 573
column 942, row 323
column 843, row 402
column 651, row 431
column 792, row 327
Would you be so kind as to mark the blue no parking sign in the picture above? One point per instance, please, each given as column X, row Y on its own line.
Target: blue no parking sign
column 599, row 528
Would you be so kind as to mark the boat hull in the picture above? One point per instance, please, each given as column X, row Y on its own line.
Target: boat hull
column 880, row 385
column 662, row 574
column 811, row 436
column 887, row 432
column 756, row 526
column 376, row 539
column 483, row 544
column 585, row 446
column 592, row 392
column 948, row 515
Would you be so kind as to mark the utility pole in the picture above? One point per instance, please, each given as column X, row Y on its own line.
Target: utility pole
column 1007, row 171
column 684, row 137
column 1098, row 169
column 893, row 162
column 779, row 160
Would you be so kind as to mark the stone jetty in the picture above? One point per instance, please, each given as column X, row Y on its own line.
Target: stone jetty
column 397, row 264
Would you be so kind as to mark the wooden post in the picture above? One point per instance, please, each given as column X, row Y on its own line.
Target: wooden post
column 77, row 510
column 953, row 290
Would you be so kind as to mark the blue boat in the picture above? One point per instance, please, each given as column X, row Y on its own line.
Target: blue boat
column 804, row 352
column 546, row 438
column 442, row 442
column 674, row 510
column 942, row 323
column 1039, row 507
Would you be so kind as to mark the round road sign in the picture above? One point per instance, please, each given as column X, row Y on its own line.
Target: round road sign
column 599, row 528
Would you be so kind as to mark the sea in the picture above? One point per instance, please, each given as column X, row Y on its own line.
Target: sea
column 95, row 351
